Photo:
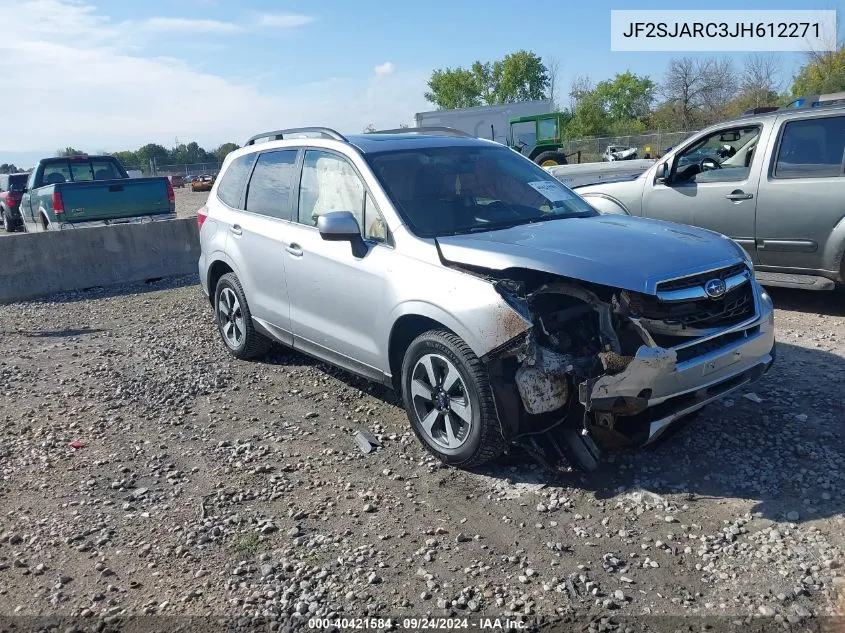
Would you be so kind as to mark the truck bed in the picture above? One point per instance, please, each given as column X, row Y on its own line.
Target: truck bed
column 113, row 199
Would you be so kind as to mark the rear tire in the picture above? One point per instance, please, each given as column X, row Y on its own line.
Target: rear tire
column 234, row 320
column 550, row 159
column 7, row 224
column 447, row 396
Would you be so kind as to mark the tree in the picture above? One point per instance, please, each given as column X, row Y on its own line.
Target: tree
column 759, row 82
column 553, row 72
column 615, row 106
column 823, row 72
column 369, row 128
column 453, row 88
column 627, row 96
column 224, row 150
column 698, row 89
column 152, row 152
column 69, row 151
column 519, row 76
column 128, row 159
column 581, row 85
column 9, row 168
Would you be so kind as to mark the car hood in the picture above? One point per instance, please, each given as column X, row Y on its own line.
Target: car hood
column 618, row 251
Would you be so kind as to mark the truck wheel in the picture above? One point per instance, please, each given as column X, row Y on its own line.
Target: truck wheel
column 234, row 320
column 447, row 396
column 550, row 159
column 7, row 223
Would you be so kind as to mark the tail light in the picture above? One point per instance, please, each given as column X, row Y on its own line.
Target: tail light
column 171, row 195
column 58, row 203
column 202, row 214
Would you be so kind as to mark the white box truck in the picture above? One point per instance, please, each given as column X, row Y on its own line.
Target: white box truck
column 490, row 122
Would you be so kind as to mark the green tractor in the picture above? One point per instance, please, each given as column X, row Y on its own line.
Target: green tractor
column 539, row 137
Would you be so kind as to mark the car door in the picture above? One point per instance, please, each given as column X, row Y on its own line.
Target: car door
column 338, row 297
column 802, row 197
column 713, row 183
column 258, row 237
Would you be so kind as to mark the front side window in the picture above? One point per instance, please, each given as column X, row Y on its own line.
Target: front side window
column 524, row 134
column 270, row 184
column 724, row 155
column 232, row 183
column 463, row 189
column 811, row 148
column 329, row 183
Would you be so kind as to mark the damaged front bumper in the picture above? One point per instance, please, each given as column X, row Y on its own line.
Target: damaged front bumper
column 633, row 399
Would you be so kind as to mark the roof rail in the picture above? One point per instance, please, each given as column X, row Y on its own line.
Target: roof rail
column 425, row 130
column 278, row 135
column 760, row 110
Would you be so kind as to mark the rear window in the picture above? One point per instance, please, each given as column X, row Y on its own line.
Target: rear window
column 59, row 171
column 231, row 187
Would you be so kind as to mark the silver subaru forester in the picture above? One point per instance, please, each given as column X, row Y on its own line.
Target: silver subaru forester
column 501, row 306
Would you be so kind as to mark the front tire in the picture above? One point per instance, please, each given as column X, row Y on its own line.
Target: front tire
column 447, row 396
column 234, row 320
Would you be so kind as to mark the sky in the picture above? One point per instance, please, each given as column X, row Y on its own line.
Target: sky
column 109, row 75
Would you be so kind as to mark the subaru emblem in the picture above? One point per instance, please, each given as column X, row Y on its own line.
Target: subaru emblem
column 715, row 288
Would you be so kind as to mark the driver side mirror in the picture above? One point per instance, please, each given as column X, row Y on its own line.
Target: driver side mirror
column 341, row 226
column 664, row 173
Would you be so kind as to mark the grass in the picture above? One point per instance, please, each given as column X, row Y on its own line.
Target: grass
column 247, row 545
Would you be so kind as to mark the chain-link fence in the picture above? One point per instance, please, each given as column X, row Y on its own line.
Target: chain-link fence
column 654, row 144
column 195, row 169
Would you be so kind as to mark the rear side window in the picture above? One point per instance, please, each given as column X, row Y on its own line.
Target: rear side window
column 233, row 181
column 811, row 148
column 270, row 185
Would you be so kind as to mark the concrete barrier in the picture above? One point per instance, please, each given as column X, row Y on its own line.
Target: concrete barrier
column 38, row 264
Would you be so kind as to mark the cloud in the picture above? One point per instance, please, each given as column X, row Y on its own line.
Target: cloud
column 387, row 68
column 189, row 25
column 284, row 20
column 101, row 93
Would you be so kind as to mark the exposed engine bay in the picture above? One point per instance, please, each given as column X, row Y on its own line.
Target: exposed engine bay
column 579, row 381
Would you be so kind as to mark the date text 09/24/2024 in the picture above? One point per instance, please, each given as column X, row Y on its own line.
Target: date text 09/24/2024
column 417, row 624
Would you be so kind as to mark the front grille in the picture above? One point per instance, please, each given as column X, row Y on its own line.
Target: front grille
column 735, row 306
column 700, row 279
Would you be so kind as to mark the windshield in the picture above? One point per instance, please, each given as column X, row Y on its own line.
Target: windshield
column 452, row 190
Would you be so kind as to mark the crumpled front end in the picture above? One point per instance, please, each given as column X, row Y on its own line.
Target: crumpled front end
column 603, row 368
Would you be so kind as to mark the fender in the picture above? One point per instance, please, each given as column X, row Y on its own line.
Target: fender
column 604, row 203
column 834, row 251
column 506, row 325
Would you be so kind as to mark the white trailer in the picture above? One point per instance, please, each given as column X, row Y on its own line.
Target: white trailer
column 489, row 122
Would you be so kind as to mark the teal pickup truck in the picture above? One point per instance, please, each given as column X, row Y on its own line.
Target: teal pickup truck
column 77, row 191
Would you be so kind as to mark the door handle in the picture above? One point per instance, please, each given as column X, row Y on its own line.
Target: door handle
column 236, row 229
column 739, row 195
column 294, row 249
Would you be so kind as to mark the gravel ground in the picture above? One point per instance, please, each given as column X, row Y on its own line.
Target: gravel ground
column 144, row 471
column 187, row 201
